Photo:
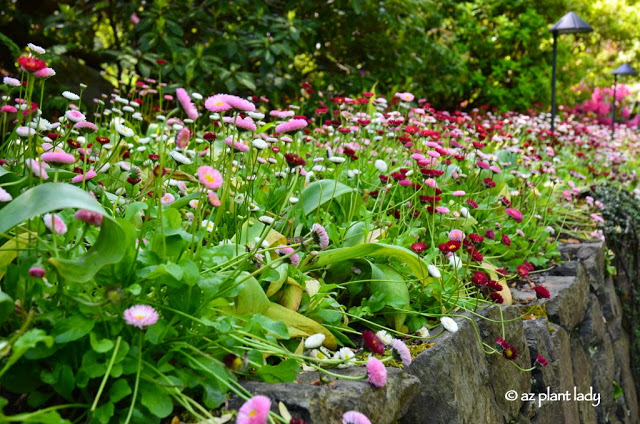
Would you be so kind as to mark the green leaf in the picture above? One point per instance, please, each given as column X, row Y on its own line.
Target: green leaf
column 403, row 255
column 104, row 412
column 617, row 389
column 156, row 399
column 320, row 192
column 72, row 328
column 119, row 390
column 100, row 346
column 53, row 196
column 275, row 328
column 354, row 235
column 284, row 372
column 116, row 236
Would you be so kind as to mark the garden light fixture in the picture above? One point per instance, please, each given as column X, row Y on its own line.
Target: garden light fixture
column 568, row 24
column 624, row 69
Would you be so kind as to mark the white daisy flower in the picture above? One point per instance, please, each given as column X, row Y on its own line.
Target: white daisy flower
column 70, row 96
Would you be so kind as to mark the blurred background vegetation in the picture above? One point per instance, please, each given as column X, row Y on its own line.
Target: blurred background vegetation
column 457, row 54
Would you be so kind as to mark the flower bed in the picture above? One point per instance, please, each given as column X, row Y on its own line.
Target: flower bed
column 159, row 250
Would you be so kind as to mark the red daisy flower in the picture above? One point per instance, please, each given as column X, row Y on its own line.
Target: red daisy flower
column 542, row 292
column 540, row 362
column 450, row 246
column 523, row 271
column 373, row 342
column 479, row 278
column 419, row 247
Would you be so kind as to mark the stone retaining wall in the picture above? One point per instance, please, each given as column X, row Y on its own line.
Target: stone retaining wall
column 454, row 381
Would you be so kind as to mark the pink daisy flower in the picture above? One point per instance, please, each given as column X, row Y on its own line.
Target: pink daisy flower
column 209, row 177
column 44, row 73
column 187, row 104
column 37, row 168
column 75, row 116
column 254, row 411
column 291, row 125
column 182, row 138
column 456, row 235
column 243, row 123
column 216, row 104
column 54, row 223
column 320, row 236
column 140, row 316
column 241, row 147
column 167, row 199
column 213, row 199
column 283, row 250
column 58, row 156
column 89, row 217
column 4, row 196
column 236, row 102
column 86, row 126
column 84, row 177
column 459, row 193
column 8, row 109
column 405, row 97
column 355, row 417
column 376, row 372
column 401, row 351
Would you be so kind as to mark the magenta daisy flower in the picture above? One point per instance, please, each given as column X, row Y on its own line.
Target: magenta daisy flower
column 376, row 372
column 91, row 173
column 140, row 316
column 242, row 123
column 209, row 177
column 355, row 417
column 514, row 213
column 37, row 272
column 241, row 147
column 75, row 116
column 187, row 104
column 291, row 125
column 320, row 236
column 254, row 411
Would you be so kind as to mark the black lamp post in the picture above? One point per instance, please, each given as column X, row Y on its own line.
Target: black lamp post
column 624, row 69
column 568, row 24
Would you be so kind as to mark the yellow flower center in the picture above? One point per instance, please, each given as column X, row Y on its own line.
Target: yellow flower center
column 138, row 317
column 253, row 413
column 208, row 178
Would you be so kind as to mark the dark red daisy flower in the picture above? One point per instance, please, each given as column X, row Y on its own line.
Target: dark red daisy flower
column 209, row 136
column 419, row 247
column 540, row 362
column 489, row 182
column 523, row 271
column 496, row 297
column 490, row 234
column 450, row 246
column 294, row 160
column 103, row 140
column 475, row 238
column 494, row 285
column 506, row 240
column 373, row 342
column 529, row 266
column 510, row 352
column 471, row 203
column 479, row 278
column 542, row 292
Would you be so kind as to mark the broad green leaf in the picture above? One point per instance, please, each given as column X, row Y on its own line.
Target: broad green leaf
column 388, row 282
column 320, row 192
column 119, row 390
column 156, row 399
column 72, row 328
column 284, row 372
column 100, row 346
column 354, row 235
column 413, row 261
column 282, row 277
column 48, row 197
column 104, row 412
